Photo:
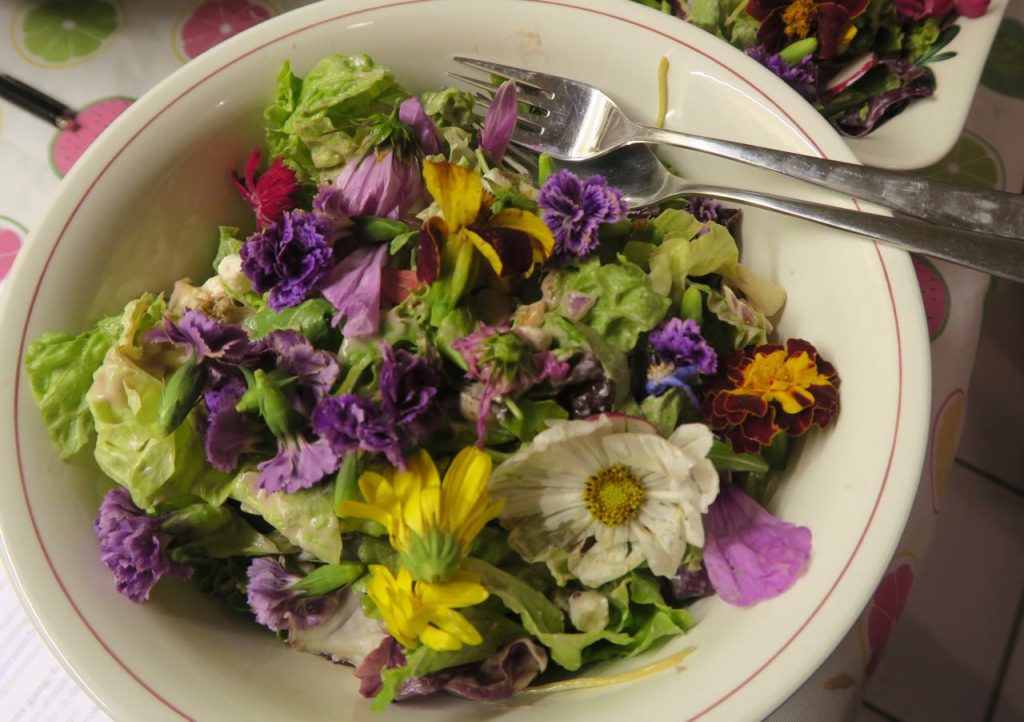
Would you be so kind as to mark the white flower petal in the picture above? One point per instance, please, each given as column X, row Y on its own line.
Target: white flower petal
column 600, row 564
column 661, row 536
column 694, row 439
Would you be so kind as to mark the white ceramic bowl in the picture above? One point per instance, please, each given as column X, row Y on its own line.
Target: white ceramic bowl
column 141, row 208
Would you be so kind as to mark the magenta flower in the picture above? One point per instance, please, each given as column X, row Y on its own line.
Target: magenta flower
column 290, row 258
column 574, row 209
column 279, row 607
column 378, row 184
column 133, row 547
column 499, row 122
column 354, row 288
column 748, row 553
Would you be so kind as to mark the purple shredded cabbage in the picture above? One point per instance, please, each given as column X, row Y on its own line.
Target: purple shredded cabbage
column 865, row 118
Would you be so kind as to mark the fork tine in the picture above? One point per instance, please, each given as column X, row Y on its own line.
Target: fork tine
column 533, row 99
column 521, row 161
column 521, row 76
column 528, row 138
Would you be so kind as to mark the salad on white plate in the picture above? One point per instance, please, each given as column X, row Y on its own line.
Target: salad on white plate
column 459, row 427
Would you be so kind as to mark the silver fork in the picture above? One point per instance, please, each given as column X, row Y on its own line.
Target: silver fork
column 574, row 121
column 644, row 181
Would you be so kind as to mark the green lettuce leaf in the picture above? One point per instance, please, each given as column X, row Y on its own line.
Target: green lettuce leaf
column 311, row 318
column 227, row 245
column 679, row 257
column 663, row 411
column 306, row 518
column 450, row 107
column 205, row 531
column 318, row 123
column 538, row 614
column 625, row 301
column 60, row 369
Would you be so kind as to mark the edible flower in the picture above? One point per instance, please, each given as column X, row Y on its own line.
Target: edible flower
column 133, row 547
column 603, row 496
column 290, row 258
column 506, row 364
column 801, row 76
column 229, row 434
column 423, row 612
column 351, row 422
column 378, row 184
column 768, row 390
column 500, row 121
column 512, row 241
column 575, row 209
column 272, row 193
column 748, row 553
column 277, row 604
column 409, row 385
column 680, row 355
column 786, row 21
column 920, row 9
column 354, row 289
column 431, row 523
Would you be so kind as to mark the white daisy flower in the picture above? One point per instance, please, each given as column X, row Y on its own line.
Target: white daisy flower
column 606, row 495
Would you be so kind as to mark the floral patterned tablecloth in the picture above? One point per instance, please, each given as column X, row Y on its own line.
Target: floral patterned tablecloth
column 98, row 55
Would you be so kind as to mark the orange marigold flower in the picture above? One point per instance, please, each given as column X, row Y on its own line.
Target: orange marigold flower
column 763, row 391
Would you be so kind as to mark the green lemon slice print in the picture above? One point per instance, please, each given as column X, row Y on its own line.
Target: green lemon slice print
column 63, row 32
column 971, row 162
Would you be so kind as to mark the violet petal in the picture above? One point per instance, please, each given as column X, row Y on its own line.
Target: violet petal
column 412, row 114
column 500, row 121
column 354, row 290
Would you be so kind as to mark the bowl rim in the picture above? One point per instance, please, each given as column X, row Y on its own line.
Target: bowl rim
column 80, row 182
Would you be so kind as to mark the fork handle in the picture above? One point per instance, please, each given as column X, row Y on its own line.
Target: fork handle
column 982, row 211
column 991, row 254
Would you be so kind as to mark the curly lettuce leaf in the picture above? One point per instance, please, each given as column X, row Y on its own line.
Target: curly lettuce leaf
column 680, row 256
column 538, row 614
column 318, row 123
column 60, row 369
column 311, row 318
column 626, row 303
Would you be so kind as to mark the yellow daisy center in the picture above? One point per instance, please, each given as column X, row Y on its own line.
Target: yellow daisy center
column 614, row 495
column 799, row 17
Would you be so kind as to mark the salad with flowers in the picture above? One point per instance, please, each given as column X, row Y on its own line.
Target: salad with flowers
column 460, row 427
column 859, row 62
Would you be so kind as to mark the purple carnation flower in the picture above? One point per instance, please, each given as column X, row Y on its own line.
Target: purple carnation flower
column 229, row 434
column 574, row 209
column 412, row 114
column 354, row 288
column 279, row 607
column 378, row 184
column 408, row 386
column 299, row 464
column 315, row 371
column 500, row 121
column 350, row 422
column 679, row 342
column 748, row 553
column 205, row 339
column 708, row 210
column 290, row 258
column 802, row 77
column 133, row 547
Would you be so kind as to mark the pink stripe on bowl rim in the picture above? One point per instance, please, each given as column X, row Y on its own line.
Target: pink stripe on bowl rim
column 400, row 3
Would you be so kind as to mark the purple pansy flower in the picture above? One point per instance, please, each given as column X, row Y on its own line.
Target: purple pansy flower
column 133, row 547
column 506, row 364
column 680, row 356
column 290, row 258
column 229, row 434
column 279, row 607
column 350, row 422
column 354, row 288
column 378, row 184
column 299, row 464
column 802, row 77
column 499, row 122
column 412, row 114
column 748, row 553
column 408, row 386
column 574, row 210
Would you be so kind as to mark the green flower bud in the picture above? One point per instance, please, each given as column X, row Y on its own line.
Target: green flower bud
column 692, row 305
column 265, row 394
column 180, row 394
column 433, row 557
column 329, row 577
column 378, row 229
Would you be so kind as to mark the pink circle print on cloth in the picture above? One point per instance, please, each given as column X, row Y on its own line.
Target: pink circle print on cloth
column 68, row 145
column 886, row 607
column 10, row 242
column 214, row 21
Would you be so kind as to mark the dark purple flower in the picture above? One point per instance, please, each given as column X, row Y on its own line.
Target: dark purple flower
column 350, row 422
column 408, row 386
column 506, row 364
column 802, row 77
column 748, row 553
column 279, row 607
column 574, row 209
column 290, row 258
column 412, row 114
column 688, row 584
column 679, row 342
column 662, row 376
column 133, row 547
column 205, row 339
column 314, row 371
column 299, row 464
column 708, row 210
column 378, row 184
column 354, row 287
column 229, row 434
column 500, row 121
